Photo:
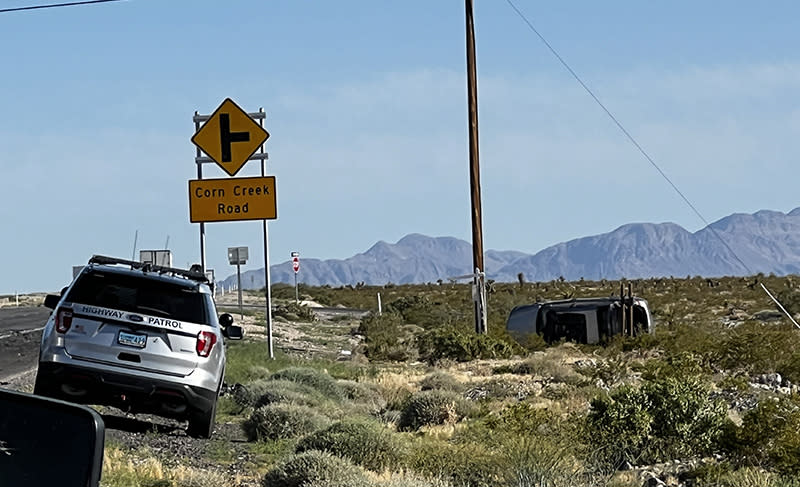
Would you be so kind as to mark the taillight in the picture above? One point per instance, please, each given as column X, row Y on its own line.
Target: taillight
column 205, row 342
column 63, row 320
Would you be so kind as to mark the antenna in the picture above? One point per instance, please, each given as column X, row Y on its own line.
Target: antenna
column 135, row 239
column 166, row 245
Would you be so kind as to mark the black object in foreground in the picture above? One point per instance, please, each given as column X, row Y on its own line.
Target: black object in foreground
column 45, row 442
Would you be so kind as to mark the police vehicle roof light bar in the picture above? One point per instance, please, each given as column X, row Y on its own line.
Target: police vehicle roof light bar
column 147, row 267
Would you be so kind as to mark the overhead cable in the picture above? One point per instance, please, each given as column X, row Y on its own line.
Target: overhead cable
column 54, row 5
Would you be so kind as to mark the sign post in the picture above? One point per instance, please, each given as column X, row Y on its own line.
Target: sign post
column 238, row 256
column 230, row 137
column 296, row 268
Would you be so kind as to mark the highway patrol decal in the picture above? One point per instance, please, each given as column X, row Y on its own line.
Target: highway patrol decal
column 136, row 319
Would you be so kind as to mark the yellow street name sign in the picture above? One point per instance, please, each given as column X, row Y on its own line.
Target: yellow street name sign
column 230, row 137
column 234, row 199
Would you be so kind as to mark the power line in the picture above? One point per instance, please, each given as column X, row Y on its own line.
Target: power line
column 627, row 134
column 54, row 5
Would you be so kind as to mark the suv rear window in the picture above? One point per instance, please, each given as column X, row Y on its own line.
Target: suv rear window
column 138, row 295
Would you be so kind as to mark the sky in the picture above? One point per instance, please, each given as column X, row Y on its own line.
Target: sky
column 367, row 110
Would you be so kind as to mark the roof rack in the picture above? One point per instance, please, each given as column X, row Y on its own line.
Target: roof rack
column 148, row 267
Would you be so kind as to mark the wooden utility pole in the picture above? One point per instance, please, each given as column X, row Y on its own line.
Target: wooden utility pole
column 475, row 176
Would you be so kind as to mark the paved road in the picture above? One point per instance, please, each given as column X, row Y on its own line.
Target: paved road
column 355, row 312
column 19, row 346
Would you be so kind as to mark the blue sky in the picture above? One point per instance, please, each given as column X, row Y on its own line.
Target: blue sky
column 366, row 107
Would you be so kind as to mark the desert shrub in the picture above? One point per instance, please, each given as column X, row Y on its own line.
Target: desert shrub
column 388, row 338
column 685, row 420
column 367, row 444
column 540, row 462
column 608, row 372
column 405, row 479
column 391, row 416
column 316, row 379
column 755, row 348
column 463, row 465
column 724, row 476
column 285, row 391
column 427, row 408
column 259, row 372
column 245, row 395
column 531, row 342
column 520, row 418
column 294, row 312
column 619, row 426
column 790, row 300
column 262, row 392
column 678, row 365
column 366, row 394
column 454, row 344
column 532, row 445
column 280, row 421
column 441, row 381
column 550, row 366
column 422, row 311
column 769, row 436
column 735, row 382
column 664, row 418
column 315, row 468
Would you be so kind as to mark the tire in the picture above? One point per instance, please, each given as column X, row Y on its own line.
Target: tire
column 42, row 386
column 201, row 424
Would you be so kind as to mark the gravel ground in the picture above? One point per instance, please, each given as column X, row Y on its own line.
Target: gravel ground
column 166, row 440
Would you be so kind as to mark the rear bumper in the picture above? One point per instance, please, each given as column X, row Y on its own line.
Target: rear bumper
column 127, row 392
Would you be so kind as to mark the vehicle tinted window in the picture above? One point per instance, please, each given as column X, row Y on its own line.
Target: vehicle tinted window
column 128, row 293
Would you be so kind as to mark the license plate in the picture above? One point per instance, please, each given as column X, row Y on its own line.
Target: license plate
column 132, row 339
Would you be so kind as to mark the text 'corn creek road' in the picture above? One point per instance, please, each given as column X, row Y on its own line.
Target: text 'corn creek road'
column 237, row 191
column 232, row 199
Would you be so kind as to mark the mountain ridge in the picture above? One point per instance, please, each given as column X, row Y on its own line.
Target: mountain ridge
column 766, row 241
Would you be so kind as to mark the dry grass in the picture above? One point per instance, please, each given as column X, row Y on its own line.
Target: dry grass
column 129, row 469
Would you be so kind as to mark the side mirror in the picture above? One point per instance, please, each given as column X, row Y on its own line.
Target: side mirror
column 68, row 437
column 51, row 301
column 234, row 332
column 225, row 320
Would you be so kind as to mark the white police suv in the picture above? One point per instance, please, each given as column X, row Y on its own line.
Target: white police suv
column 143, row 338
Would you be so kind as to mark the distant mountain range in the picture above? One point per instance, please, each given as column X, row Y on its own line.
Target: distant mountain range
column 766, row 241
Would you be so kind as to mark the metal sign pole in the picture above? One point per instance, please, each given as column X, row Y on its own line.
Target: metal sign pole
column 200, row 176
column 267, row 280
column 239, row 285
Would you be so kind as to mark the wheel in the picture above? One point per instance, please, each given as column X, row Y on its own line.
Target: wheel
column 201, row 424
column 42, row 386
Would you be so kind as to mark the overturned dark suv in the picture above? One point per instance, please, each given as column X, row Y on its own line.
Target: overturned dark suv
column 143, row 338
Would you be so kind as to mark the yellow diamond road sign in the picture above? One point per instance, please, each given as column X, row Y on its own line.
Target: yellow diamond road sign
column 230, row 137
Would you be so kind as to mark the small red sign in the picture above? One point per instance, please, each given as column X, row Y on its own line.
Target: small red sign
column 296, row 264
